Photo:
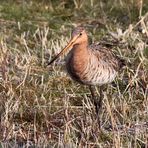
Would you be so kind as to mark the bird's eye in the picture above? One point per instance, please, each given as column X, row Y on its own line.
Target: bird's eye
column 80, row 34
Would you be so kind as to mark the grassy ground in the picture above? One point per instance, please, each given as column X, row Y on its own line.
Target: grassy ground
column 43, row 107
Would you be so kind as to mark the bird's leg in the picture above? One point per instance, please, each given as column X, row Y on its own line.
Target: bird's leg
column 100, row 98
column 97, row 102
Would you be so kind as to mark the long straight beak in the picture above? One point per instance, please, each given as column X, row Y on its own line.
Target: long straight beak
column 69, row 45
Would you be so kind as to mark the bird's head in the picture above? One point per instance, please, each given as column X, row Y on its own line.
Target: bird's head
column 79, row 36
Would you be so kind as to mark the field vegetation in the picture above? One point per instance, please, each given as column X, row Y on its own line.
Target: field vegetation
column 41, row 106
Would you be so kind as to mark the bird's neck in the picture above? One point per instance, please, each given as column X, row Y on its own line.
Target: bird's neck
column 80, row 56
column 81, row 47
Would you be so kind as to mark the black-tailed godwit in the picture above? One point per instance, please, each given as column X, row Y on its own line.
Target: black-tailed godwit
column 90, row 64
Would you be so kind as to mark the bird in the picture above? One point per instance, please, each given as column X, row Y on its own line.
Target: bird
column 91, row 65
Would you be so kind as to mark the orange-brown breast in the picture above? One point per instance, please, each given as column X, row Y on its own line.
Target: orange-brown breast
column 77, row 61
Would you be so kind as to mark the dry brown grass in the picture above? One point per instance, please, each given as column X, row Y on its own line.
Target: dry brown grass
column 43, row 107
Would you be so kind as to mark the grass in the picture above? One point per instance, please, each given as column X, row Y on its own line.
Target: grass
column 43, row 107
